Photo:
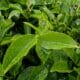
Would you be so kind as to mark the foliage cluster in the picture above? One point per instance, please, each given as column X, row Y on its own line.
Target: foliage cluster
column 39, row 39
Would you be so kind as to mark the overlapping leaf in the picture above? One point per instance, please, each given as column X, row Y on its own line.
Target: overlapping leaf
column 56, row 40
column 17, row 50
column 34, row 73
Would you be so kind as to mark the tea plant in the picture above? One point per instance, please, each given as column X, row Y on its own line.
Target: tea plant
column 39, row 40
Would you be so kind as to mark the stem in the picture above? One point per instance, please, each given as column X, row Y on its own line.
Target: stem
column 32, row 26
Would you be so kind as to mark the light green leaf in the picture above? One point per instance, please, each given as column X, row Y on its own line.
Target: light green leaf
column 15, row 13
column 1, row 78
column 5, row 25
column 16, row 7
column 49, row 13
column 34, row 73
column 7, row 40
column 17, row 50
column 44, row 23
column 56, row 40
column 43, row 2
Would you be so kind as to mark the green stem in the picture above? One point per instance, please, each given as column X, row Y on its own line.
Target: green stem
column 32, row 26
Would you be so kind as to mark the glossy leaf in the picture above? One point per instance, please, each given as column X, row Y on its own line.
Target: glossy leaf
column 56, row 40
column 17, row 50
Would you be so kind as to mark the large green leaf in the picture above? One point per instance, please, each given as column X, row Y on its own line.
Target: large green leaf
column 17, row 50
column 56, row 40
column 34, row 73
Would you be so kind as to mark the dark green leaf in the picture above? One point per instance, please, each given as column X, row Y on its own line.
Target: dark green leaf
column 42, row 53
column 34, row 73
column 60, row 66
column 4, row 5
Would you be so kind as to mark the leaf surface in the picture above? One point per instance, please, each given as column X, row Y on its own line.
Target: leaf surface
column 17, row 50
column 56, row 40
column 34, row 73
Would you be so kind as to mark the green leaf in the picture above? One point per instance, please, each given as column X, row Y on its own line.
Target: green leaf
column 56, row 40
column 71, row 77
column 1, row 78
column 16, row 7
column 22, row 2
column 78, row 77
column 1, row 70
column 60, row 62
column 15, row 69
column 72, row 54
column 4, row 5
column 15, row 13
column 34, row 73
column 42, row 53
column 5, row 25
column 44, row 24
column 60, row 66
column 7, row 40
column 52, row 76
column 49, row 13
column 77, row 70
column 17, row 50
column 43, row 2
